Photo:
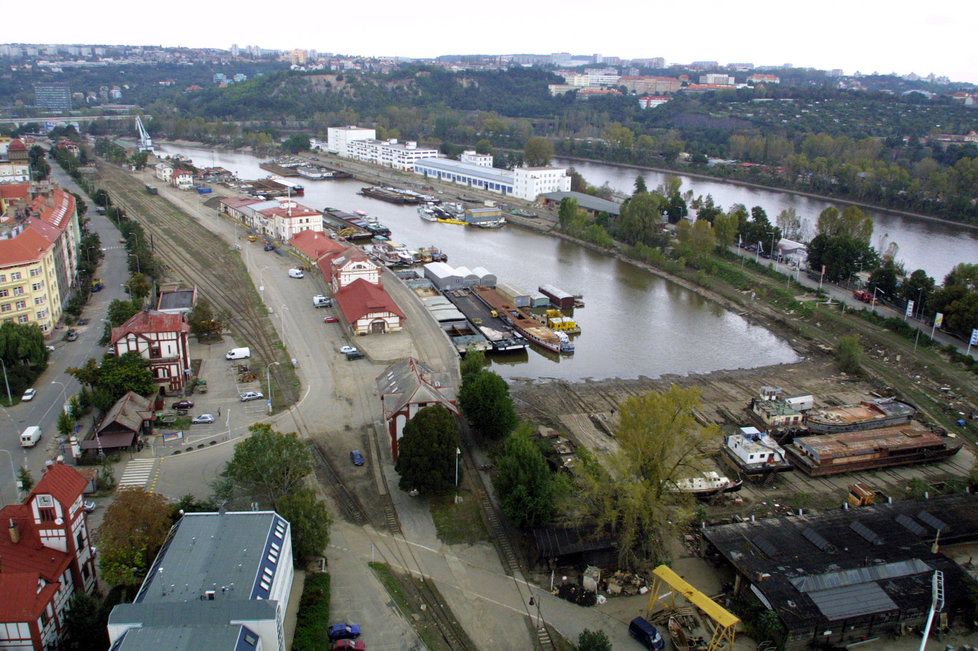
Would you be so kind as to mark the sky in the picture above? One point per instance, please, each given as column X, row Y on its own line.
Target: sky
column 855, row 35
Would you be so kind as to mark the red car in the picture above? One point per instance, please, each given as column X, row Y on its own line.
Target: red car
column 331, row 319
column 356, row 645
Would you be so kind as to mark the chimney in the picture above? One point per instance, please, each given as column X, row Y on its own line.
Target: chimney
column 14, row 532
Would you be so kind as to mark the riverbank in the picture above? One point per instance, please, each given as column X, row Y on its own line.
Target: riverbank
column 773, row 188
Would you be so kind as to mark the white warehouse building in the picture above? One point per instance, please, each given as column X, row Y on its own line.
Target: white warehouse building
column 338, row 139
column 523, row 182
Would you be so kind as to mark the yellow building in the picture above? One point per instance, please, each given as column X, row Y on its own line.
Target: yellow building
column 39, row 241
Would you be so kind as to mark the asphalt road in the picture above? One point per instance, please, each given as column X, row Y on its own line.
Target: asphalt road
column 55, row 384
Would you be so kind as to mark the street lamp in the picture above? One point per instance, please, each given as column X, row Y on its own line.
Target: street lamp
column 10, row 399
column 13, row 474
column 536, row 602
column 261, row 282
column 283, row 310
column 64, row 390
column 268, row 381
column 133, row 255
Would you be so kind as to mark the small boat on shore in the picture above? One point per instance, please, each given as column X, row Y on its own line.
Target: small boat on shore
column 708, row 485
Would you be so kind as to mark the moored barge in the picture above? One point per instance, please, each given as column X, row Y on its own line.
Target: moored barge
column 869, row 414
column 522, row 322
column 390, row 195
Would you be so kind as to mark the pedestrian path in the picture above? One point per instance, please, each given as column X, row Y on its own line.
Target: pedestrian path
column 137, row 473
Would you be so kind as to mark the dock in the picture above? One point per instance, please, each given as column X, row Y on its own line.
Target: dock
column 526, row 325
column 499, row 334
column 342, row 222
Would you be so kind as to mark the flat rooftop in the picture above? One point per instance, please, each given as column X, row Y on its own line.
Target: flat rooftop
column 850, row 444
column 176, row 299
column 468, row 169
column 864, row 411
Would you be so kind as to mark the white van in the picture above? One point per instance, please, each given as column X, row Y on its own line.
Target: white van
column 30, row 436
column 321, row 301
column 238, row 353
column 296, row 273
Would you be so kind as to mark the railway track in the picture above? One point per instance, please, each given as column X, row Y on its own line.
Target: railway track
column 195, row 255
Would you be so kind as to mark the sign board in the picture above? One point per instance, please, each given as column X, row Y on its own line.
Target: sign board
column 909, row 308
column 974, row 337
column 169, row 437
column 938, row 320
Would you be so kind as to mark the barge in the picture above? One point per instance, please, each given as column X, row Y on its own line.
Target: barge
column 870, row 449
column 753, row 453
column 558, row 297
column 500, row 335
column 293, row 187
column 276, row 167
column 345, row 224
column 523, row 323
column 390, row 195
column 441, row 214
column 874, row 414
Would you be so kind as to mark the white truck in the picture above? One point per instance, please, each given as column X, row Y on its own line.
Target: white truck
column 30, row 436
column 320, row 300
column 238, row 353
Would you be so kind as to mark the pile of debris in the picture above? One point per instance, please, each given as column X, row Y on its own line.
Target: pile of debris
column 625, row 583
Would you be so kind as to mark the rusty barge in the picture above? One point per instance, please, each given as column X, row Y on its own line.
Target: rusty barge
column 531, row 329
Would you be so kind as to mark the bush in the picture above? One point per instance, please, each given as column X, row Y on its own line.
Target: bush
column 312, row 618
column 849, row 354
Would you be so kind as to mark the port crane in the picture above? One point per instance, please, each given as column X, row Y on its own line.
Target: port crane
column 724, row 622
column 145, row 142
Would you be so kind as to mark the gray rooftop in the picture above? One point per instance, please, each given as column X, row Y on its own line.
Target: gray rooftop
column 412, row 381
column 187, row 638
column 194, row 613
column 214, row 551
column 586, row 201
column 492, row 174
column 177, row 299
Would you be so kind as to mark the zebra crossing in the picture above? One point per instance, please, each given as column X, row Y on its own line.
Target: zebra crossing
column 137, row 474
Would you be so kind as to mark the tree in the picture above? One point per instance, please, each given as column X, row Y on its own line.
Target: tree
column 139, row 287
column 841, row 255
column 483, row 147
column 487, row 405
column 139, row 159
column 202, row 321
column 660, row 442
column 295, row 144
column 269, row 465
column 84, row 624
column 590, row 640
column 918, row 288
column 568, row 214
column 25, row 478
column 641, row 219
column 66, row 423
column 23, row 351
column 40, row 169
column 128, row 372
column 849, row 354
column 789, row 223
column 134, row 528
column 121, row 311
column 310, row 521
column 426, row 452
column 725, row 228
column 885, row 280
column 640, row 186
column 472, row 364
column 538, row 152
column 851, row 222
column 526, row 488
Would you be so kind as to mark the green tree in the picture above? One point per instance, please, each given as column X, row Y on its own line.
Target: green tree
column 590, row 640
column 725, row 227
column 24, row 354
column 139, row 159
column 538, row 152
column 310, row 521
column 426, row 452
column 121, row 311
column 483, row 147
column 84, row 624
column 619, row 136
column 202, row 321
column 849, row 354
column 527, row 490
column 139, row 287
column 128, row 372
column 40, row 169
column 917, row 288
column 472, row 364
column 26, row 478
column 841, row 255
column 885, row 280
column 269, row 465
column 641, row 219
column 569, row 215
column 295, row 144
column 134, row 528
column 640, row 186
column 487, row 405
column 789, row 223
column 66, row 423
column 851, row 223
column 660, row 442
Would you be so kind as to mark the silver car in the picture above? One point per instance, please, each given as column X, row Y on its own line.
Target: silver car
column 251, row 395
column 203, row 419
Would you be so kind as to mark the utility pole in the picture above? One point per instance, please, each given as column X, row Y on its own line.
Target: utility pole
column 10, row 399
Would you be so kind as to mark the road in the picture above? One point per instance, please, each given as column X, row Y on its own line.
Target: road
column 843, row 295
column 44, row 409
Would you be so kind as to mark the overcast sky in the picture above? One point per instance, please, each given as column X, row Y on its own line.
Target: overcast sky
column 865, row 35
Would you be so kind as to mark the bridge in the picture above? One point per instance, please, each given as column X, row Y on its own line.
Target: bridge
column 66, row 119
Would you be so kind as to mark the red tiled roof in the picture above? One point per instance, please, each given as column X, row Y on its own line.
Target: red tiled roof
column 63, row 482
column 361, row 298
column 238, row 202
column 314, row 244
column 297, row 211
column 150, row 321
column 17, row 145
column 28, row 555
column 23, row 602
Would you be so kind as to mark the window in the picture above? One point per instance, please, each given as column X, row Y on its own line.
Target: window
column 15, row 275
column 36, row 271
column 4, row 293
column 18, row 291
column 80, row 541
column 5, row 307
column 43, row 314
column 37, row 286
column 3, row 278
column 40, row 300
column 85, row 572
column 21, row 305
column 23, row 318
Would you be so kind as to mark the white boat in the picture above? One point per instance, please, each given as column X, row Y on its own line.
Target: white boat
column 707, row 485
column 566, row 345
column 362, row 213
column 427, row 214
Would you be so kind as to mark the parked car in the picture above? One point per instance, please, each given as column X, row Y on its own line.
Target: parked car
column 646, row 634
column 319, row 300
column 251, row 395
column 331, row 319
column 183, row 404
column 71, row 335
column 296, row 273
column 354, row 645
column 356, row 456
column 356, row 354
column 203, row 419
column 29, row 395
column 344, row 631
column 88, row 505
column 346, row 350
column 50, row 349
column 269, row 246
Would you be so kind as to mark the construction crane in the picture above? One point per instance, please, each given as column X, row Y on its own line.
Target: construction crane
column 936, row 604
column 725, row 622
column 145, row 142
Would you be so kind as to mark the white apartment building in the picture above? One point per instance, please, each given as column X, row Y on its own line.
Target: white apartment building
column 474, row 158
column 338, row 139
column 531, row 182
column 717, row 78
column 14, row 173
column 390, row 153
column 163, row 172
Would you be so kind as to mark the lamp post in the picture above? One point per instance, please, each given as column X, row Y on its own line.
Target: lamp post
column 261, row 282
column 10, row 398
column 268, row 382
column 283, row 310
column 13, row 474
column 64, row 390
column 133, row 255
column 536, row 602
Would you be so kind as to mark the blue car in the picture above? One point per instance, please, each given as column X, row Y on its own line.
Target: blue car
column 356, row 456
column 344, row 631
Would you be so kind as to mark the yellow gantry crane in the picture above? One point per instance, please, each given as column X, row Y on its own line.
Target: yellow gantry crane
column 725, row 622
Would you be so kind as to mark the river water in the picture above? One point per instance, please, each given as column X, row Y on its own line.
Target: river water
column 634, row 323
column 933, row 246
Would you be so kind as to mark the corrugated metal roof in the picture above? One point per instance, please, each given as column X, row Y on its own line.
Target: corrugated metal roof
column 856, row 576
column 852, row 601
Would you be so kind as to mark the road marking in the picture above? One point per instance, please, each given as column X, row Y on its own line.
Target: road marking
column 137, row 473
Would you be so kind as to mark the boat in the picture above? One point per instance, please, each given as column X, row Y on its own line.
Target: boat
column 489, row 223
column 433, row 213
column 708, row 485
column 566, row 345
column 427, row 214
column 362, row 213
column 871, row 414
column 292, row 186
column 390, row 195
column 519, row 212
column 523, row 323
column 677, row 635
column 752, row 453
column 311, row 173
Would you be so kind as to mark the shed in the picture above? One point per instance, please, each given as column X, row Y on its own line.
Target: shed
column 486, row 279
column 467, row 277
column 558, row 297
column 443, row 276
column 801, row 403
column 517, row 296
column 539, row 300
column 573, row 546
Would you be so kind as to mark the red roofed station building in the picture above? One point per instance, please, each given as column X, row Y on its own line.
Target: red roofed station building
column 45, row 557
column 341, row 269
column 368, row 308
column 163, row 339
column 315, row 245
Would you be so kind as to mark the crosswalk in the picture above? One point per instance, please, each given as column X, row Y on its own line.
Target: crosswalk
column 137, row 474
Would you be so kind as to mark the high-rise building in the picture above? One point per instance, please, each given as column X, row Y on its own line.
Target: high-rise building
column 53, row 96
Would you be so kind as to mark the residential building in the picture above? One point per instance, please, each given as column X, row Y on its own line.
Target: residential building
column 338, row 139
column 390, row 153
column 585, row 93
column 716, row 78
column 163, row 172
column 474, row 158
column 221, row 581
column 530, row 182
column 182, row 180
column 161, row 338
column 368, row 308
column 46, row 557
column 54, row 97
column 14, row 172
column 279, row 218
column 407, row 387
column 762, row 78
column 39, row 239
column 315, row 245
column 651, row 101
column 347, row 266
column 130, row 416
column 651, row 84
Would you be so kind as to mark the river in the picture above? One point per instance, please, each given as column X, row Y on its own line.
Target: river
column 634, row 323
column 923, row 244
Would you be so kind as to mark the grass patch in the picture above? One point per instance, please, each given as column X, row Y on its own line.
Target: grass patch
column 312, row 618
column 392, row 584
column 458, row 523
